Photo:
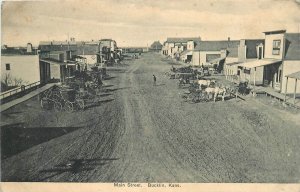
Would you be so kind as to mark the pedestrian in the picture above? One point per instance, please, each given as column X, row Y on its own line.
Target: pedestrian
column 154, row 80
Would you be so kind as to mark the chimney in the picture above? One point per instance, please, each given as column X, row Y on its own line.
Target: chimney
column 29, row 48
column 228, row 42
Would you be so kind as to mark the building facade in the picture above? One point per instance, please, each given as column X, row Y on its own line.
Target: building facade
column 209, row 52
column 173, row 47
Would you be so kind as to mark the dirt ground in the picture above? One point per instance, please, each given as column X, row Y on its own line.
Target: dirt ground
column 137, row 132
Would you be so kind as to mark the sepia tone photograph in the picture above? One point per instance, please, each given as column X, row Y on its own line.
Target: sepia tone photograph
column 155, row 92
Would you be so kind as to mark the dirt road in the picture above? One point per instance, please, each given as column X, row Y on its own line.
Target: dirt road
column 144, row 133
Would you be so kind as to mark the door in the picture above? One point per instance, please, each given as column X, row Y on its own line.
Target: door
column 260, row 52
column 277, row 79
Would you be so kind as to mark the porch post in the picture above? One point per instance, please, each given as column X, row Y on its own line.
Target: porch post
column 286, row 83
column 295, row 90
column 250, row 76
column 254, row 75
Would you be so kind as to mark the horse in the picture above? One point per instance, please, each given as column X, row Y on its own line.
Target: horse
column 216, row 91
column 204, row 83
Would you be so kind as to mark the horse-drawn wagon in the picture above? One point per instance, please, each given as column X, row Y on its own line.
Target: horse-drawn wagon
column 61, row 98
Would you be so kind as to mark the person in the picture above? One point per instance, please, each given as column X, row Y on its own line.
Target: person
column 154, row 80
column 99, row 79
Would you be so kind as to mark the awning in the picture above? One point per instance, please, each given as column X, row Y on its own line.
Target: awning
column 233, row 63
column 71, row 64
column 186, row 52
column 53, row 62
column 259, row 62
column 294, row 75
column 79, row 57
column 217, row 60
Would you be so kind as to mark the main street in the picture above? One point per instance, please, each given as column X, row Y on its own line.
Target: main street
column 138, row 132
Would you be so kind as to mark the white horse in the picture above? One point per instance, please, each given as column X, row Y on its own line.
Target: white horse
column 216, row 91
column 205, row 82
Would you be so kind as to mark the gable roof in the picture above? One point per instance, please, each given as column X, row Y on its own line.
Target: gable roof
column 215, row 45
column 292, row 46
column 156, row 45
column 182, row 39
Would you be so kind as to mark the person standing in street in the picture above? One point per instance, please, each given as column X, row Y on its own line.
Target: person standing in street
column 154, row 80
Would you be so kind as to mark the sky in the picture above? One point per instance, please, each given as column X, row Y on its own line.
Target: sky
column 140, row 22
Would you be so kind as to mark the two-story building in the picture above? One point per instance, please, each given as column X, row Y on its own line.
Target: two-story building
column 108, row 51
column 279, row 57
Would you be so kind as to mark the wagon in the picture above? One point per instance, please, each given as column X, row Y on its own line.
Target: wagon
column 243, row 88
column 195, row 94
column 87, row 95
column 61, row 98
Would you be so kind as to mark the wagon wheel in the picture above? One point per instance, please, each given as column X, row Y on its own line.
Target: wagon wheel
column 196, row 98
column 80, row 103
column 44, row 102
column 68, row 106
column 57, row 106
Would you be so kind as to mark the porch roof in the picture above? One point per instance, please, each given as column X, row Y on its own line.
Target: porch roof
column 187, row 52
column 217, row 60
column 233, row 63
column 259, row 62
column 69, row 63
column 295, row 75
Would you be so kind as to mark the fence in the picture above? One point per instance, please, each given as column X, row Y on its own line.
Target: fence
column 16, row 92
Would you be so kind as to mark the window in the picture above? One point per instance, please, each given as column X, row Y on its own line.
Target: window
column 7, row 66
column 276, row 47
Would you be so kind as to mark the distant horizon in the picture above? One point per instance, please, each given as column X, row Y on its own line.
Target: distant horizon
column 138, row 23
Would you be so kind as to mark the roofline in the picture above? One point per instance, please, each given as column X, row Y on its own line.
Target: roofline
column 253, row 39
column 275, row 32
column 219, row 40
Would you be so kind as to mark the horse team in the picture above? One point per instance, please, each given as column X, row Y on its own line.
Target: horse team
column 210, row 87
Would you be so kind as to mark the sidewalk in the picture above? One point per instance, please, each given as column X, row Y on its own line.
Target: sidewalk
column 25, row 97
column 268, row 91
column 280, row 96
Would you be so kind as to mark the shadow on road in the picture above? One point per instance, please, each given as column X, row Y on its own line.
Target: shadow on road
column 16, row 138
column 116, row 89
column 108, row 78
column 97, row 104
column 75, row 166
column 5, row 113
column 105, row 95
column 162, row 84
column 107, row 86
